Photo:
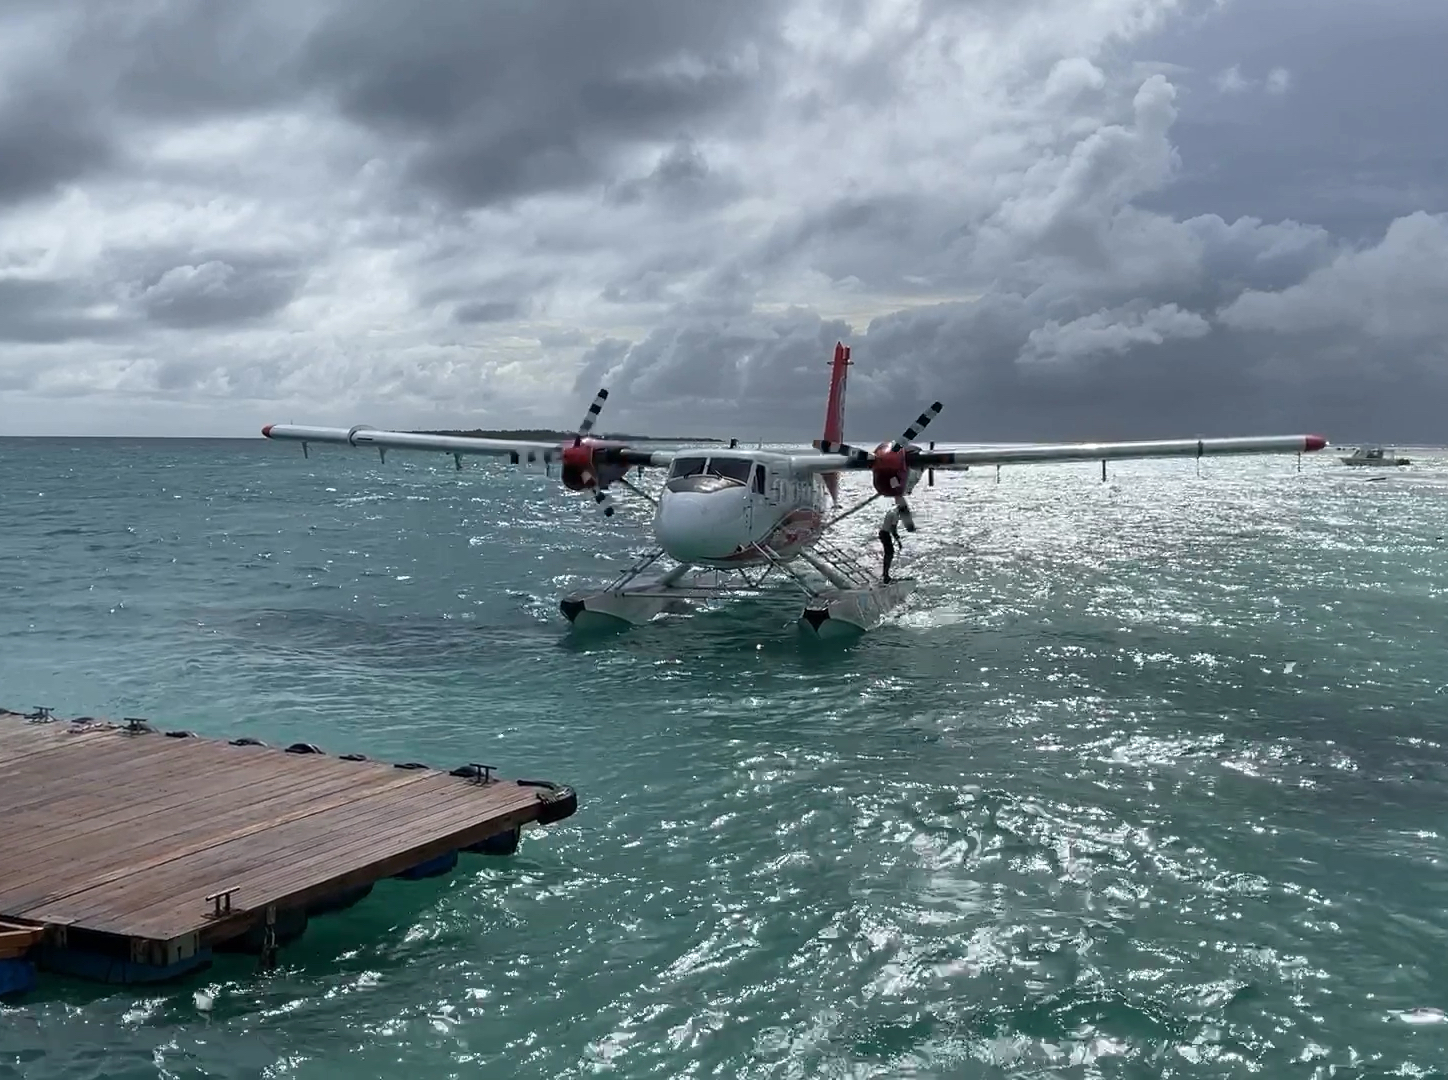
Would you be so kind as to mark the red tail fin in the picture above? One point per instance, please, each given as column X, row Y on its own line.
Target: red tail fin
column 835, row 409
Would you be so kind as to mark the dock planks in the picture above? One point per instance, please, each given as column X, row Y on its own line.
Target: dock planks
column 121, row 836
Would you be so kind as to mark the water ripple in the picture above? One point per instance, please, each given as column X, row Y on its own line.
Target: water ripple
column 1147, row 780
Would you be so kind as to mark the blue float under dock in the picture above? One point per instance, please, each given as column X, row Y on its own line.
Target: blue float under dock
column 132, row 854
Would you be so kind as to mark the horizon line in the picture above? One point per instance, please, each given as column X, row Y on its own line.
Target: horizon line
column 744, row 443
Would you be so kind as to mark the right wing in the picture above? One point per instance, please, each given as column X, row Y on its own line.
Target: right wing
column 832, row 456
column 894, row 467
column 895, row 457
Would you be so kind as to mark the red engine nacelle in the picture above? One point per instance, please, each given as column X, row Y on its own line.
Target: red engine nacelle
column 582, row 471
column 578, row 471
column 889, row 471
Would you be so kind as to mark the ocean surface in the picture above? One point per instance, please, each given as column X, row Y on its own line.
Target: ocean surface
column 1149, row 779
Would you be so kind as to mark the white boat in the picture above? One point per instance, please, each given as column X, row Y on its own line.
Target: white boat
column 1373, row 455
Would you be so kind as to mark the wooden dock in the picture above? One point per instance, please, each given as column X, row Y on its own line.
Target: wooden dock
column 129, row 853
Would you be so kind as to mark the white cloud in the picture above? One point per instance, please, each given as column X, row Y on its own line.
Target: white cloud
column 1232, row 81
column 1111, row 331
column 1392, row 290
column 1278, row 81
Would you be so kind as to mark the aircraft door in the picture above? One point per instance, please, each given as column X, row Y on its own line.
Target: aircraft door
column 761, row 496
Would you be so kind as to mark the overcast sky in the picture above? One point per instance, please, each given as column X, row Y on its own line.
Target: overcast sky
column 1064, row 218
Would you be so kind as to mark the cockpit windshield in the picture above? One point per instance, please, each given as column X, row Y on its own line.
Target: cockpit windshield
column 733, row 468
column 687, row 466
column 708, row 474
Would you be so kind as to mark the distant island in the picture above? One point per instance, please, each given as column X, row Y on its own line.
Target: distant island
column 545, row 435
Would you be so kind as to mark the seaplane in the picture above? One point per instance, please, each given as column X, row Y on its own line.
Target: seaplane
column 734, row 522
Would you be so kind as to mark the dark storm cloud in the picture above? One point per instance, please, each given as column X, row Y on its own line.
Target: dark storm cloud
column 1097, row 316
column 499, row 100
column 50, row 133
column 65, row 100
column 1060, row 221
column 599, row 364
column 881, row 241
column 754, row 377
column 47, row 312
column 650, row 280
column 682, row 180
column 198, row 58
column 1125, row 386
column 1357, row 342
column 1330, row 112
column 210, row 292
column 178, row 59
column 564, row 338
column 472, row 298
column 486, row 311
column 770, row 377
column 1063, row 219
column 47, row 138
column 219, row 292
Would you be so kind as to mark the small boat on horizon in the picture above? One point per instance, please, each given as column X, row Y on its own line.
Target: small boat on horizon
column 1374, row 456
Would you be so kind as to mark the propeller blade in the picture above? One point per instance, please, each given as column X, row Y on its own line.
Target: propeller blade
column 921, row 423
column 854, row 453
column 591, row 417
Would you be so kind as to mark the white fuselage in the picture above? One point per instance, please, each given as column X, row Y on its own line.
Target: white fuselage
column 735, row 508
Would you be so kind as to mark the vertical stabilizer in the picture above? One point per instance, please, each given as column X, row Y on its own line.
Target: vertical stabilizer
column 835, row 408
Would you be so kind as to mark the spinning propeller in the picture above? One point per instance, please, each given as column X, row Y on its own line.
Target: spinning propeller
column 580, row 469
column 889, row 463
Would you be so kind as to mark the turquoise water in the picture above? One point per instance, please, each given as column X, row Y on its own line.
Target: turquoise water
column 1149, row 779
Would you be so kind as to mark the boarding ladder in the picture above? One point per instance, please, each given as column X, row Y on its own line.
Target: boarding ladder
column 628, row 575
column 847, row 565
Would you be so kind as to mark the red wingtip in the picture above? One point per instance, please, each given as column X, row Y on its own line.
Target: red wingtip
column 266, row 431
column 1316, row 442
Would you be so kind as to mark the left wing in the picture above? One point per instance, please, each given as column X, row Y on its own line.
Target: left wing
column 585, row 456
column 516, row 450
column 585, row 463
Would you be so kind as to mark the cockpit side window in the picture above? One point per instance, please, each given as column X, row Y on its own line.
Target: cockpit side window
column 759, row 479
column 732, row 468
